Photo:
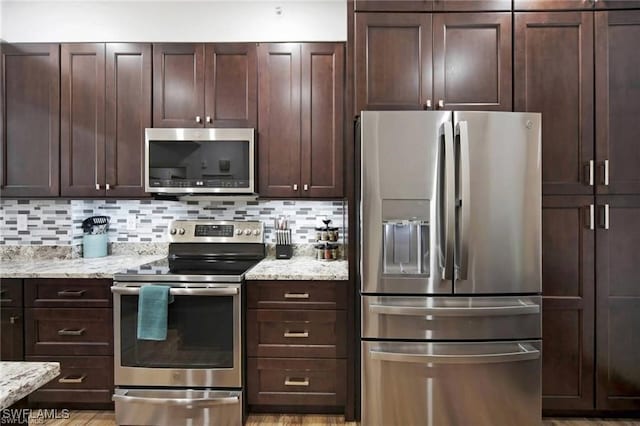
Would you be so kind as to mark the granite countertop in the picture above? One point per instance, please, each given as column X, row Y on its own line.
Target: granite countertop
column 18, row 379
column 299, row 268
column 99, row 267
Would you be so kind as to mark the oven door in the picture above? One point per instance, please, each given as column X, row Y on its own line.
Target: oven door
column 203, row 345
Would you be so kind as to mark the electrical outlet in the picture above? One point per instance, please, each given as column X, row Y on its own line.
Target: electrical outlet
column 22, row 222
column 132, row 222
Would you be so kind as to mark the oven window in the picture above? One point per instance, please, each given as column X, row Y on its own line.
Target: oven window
column 210, row 164
column 199, row 334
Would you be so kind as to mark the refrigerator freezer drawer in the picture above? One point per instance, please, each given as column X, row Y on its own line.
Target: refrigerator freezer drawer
column 451, row 318
column 442, row 384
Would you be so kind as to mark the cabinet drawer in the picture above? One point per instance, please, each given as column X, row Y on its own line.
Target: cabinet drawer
column 273, row 381
column 65, row 331
column 94, row 372
column 292, row 333
column 63, row 293
column 297, row 294
column 10, row 292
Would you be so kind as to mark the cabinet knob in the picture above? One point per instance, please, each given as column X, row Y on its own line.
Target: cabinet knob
column 209, row 120
column 107, row 187
column 428, row 104
column 97, row 187
column 440, row 103
column 295, row 186
column 305, row 187
column 198, row 119
column 13, row 320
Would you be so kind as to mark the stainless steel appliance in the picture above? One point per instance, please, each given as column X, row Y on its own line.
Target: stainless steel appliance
column 450, row 268
column 195, row 376
column 200, row 161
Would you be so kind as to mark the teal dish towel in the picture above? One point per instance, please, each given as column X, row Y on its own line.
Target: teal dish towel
column 152, row 312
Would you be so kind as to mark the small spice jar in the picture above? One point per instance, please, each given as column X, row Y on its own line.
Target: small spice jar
column 332, row 234
column 319, row 230
column 319, row 251
column 333, row 248
column 328, row 254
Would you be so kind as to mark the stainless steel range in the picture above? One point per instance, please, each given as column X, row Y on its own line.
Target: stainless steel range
column 195, row 375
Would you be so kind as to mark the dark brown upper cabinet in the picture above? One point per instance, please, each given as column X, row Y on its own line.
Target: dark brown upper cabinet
column 472, row 61
column 568, row 274
column 204, row 85
column 29, row 120
column 554, row 75
column 617, row 73
column 618, row 299
column 128, row 113
column 617, row 4
column 525, row 5
column 393, row 61
column 300, row 103
column 403, row 63
column 103, row 118
column 431, row 5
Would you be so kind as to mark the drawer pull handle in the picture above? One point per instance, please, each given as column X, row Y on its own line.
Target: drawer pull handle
column 67, row 332
column 71, row 293
column 300, row 334
column 296, row 382
column 296, row 295
column 2, row 299
column 72, row 379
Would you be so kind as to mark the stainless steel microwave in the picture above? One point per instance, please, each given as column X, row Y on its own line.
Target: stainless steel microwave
column 200, row 161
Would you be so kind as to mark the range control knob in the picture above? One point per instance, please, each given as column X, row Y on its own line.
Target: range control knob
column 247, row 231
column 238, row 231
column 181, row 231
column 173, row 231
column 256, row 232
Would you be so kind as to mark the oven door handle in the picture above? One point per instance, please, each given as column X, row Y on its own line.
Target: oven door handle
column 180, row 402
column 178, row 291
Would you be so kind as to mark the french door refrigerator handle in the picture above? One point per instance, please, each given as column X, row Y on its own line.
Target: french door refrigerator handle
column 458, row 311
column 526, row 352
column 449, row 219
column 462, row 132
column 195, row 402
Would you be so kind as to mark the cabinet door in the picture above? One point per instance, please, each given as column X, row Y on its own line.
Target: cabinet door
column 617, row 102
column 322, row 130
column 82, row 125
column 231, row 85
column 29, row 120
column 11, row 332
column 553, row 4
column 472, row 61
column 567, row 308
column 393, row 62
column 617, row 4
column 178, row 85
column 471, row 5
column 393, row 5
column 618, row 302
column 279, row 123
column 554, row 76
column 128, row 113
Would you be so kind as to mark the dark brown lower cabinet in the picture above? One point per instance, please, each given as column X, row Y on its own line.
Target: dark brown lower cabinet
column 11, row 320
column 297, row 348
column 568, row 244
column 70, row 321
column 618, row 303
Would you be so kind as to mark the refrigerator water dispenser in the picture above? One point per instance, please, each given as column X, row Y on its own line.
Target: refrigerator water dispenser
column 405, row 247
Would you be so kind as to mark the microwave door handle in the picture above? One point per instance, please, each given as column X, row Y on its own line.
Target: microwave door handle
column 219, row 291
column 449, row 200
column 180, row 402
column 462, row 132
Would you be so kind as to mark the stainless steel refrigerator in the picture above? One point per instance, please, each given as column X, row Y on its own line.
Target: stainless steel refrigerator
column 450, row 268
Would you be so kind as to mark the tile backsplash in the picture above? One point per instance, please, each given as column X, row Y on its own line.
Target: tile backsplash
column 57, row 222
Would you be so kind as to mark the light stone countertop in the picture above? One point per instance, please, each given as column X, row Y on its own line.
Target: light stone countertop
column 99, row 267
column 299, row 268
column 18, row 379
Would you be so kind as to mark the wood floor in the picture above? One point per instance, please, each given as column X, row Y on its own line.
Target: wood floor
column 106, row 418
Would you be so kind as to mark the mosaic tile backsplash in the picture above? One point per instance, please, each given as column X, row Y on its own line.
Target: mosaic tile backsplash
column 57, row 222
